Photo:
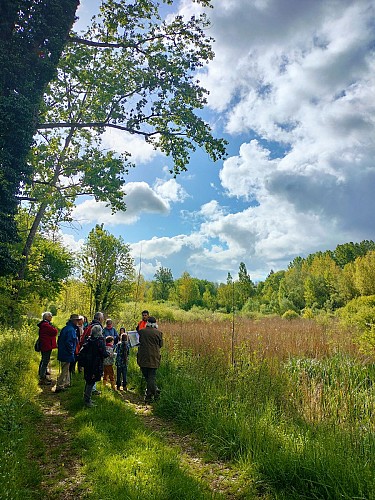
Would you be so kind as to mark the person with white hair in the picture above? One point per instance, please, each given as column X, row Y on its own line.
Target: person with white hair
column 93, row 353
column 47, row 339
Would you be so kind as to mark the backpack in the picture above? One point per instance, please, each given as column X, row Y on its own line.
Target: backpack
column 85, row 354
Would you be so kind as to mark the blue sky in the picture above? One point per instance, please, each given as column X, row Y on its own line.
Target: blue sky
column 292, row 88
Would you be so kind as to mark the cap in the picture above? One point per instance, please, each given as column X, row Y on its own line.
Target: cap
column 74, row 316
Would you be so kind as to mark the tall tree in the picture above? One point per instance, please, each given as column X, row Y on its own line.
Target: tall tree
column 162, row 284
column 130, row 71
column 107, row 268
column 245, row 285
column 32, row 36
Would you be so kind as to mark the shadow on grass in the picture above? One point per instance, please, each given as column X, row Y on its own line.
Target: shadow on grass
column 122, row 459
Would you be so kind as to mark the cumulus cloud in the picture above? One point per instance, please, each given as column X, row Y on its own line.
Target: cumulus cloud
column 140, row 198
column 120, row 141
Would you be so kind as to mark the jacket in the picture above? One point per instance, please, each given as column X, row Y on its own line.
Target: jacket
column 66, row 343
column 47, row 336
column 93, row 372
column 122, row 350
column 111, row 332
column 150, row 342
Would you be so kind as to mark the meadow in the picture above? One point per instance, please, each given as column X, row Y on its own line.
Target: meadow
column 289, row 403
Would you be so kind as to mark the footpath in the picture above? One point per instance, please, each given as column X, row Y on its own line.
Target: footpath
column 65, row 481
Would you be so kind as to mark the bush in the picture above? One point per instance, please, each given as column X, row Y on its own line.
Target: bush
column 290, row 314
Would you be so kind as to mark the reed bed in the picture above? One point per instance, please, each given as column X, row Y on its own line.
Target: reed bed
column 292, row 402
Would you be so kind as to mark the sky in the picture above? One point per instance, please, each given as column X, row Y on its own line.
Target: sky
column 292, row 90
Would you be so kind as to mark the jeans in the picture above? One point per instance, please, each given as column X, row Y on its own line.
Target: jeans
column 46, row 355
column 88, row 392
column 122, row 372
column 150, row 376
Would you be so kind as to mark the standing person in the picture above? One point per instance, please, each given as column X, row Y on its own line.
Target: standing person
column 47, row 337
column 109, row 373
column 142, row 324
column 98, row 320
column 79, row 333
column 93, row 368
column 122, row 350
column 148, row 356
column 110, row 331
column 66, row 346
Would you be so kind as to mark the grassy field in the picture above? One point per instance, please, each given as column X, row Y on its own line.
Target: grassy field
column 289, row 403
column 294, row 398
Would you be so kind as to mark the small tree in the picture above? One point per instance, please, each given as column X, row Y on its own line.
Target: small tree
column 107, row 269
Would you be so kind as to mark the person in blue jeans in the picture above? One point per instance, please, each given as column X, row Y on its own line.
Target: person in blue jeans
column 122, row 358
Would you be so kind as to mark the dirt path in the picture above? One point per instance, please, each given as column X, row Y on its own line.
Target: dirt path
column 63, row 481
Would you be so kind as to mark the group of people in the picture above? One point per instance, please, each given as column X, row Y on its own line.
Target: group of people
column 97, row 349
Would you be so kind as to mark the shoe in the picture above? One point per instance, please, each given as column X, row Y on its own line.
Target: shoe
column 118, row 388
column 45, row 381
column 90, row 404
column 59, row 389
column 95, row 392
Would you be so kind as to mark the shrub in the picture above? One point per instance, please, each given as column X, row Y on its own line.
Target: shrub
column 290, row 314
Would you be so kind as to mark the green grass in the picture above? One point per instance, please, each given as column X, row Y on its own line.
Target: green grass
column 303, row 427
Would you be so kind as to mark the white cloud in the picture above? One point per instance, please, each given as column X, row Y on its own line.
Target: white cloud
column 140, row 198
column 120, row 141
column 70, row 243
column 170, row 190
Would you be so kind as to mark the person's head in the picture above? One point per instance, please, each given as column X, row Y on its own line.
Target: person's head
column 109, row 323
column 151, row 321
column 74, row 318
column 80, row 321
column 47, row 316
column 109, row 340
column 99, row 316
column 145, row 315
column 124, row 337
column 96, row 331
column 122, row 330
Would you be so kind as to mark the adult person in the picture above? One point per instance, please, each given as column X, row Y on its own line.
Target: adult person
column 47, row 338
column 148, row 356
column 66, row 346
column 79, row 333
column 93, row 369
column 142, row 324
column 110, row 331
column 98, row 320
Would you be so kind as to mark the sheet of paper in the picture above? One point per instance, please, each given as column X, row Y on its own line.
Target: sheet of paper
column 133, row 338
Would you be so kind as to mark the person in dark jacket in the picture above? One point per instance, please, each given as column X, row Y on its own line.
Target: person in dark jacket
column 47, row 338
column 93, row 369
column 148, row 356
column 66, row 347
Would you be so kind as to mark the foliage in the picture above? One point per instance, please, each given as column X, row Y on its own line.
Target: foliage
column 162, row 284
column 290, row 314
column 107, row 269
column 130, row 71
column 32, row 37
column 360, row 313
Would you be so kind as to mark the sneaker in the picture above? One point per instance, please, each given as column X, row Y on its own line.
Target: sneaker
column 96, row 392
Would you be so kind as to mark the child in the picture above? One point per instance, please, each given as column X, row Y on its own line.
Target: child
column 109, row 373
column 122, row 351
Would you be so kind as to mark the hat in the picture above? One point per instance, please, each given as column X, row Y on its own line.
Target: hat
column 74, row 316
column 151, row 319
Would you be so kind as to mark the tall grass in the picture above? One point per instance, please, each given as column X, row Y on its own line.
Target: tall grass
column 297, row 403
column 17, row 413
